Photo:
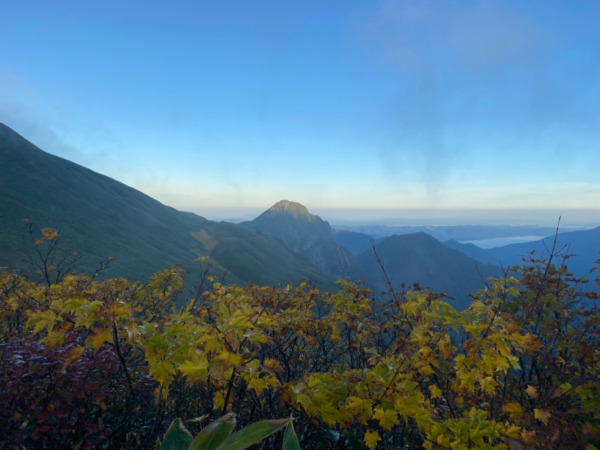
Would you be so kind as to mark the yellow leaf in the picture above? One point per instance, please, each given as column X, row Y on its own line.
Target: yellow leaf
column 445, row 440
column 195, row 369
column 531, row 343
column 48, row 234
column 488, row 384
column 53, row 339
column 359, row 407
column 435, row 391
column 211, row 343
column 541, row 415
column 230, row 359
column 528, row 437
column 258, row 384
column 272, row 365
column 387, row 418
column 162, row 371
column 218, row 400
column 98, row 338
column 371, row 438
column 273, row 381
column 512, row 431
column 513, row 409
column 329, row 413
column 531, row 391
column 43, row 319
column 73, row 356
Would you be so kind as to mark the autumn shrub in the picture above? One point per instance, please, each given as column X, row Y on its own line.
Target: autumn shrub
column 51, row 402
column 119, row 361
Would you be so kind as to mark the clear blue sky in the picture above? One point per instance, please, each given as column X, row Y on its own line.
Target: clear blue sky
column 392, row 105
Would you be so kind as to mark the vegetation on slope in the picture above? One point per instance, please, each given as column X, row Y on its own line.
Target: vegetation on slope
column 109, row 364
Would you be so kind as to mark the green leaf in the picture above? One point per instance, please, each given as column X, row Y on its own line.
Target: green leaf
column 253, row 433
column 177, row 437
column 290, row 440
column 213, row 434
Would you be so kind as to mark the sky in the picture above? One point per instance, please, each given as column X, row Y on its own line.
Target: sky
column 434, row 111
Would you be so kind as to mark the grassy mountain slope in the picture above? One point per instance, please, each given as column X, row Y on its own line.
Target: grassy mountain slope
column 101, row 217
column 420, row 258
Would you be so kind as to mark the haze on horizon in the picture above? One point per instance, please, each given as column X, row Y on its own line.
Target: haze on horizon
column 447, row 112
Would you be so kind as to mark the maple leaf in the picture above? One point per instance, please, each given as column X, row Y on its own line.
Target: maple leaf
column 512, row 431
column 514, row 410
column 162, row 371
column 541, row 415
column 531, row 343
column 43, row 319
column 387, row 418
column 435, row 391
column 531, row 391
column 195, row 369
column 258, row 384
column 528, row 437
column 99, row 337
column 272, row 365
column 73, row 355
column 371, row 438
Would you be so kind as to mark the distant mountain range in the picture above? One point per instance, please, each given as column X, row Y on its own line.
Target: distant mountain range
column 420, row 258
column 100, row 217
column 410, row 258
column 459, row 233
column 584, row 245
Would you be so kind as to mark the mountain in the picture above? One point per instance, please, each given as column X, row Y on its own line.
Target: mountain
column 459, row 233
column 472, row 251
column 420, row 258
column 308, row 235
column 100, row 217
column 355, row 242
column 583, row 244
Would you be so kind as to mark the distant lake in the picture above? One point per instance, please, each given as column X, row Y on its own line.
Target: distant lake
column 500, row 242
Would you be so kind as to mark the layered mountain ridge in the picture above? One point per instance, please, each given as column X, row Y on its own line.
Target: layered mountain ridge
column 101, row 217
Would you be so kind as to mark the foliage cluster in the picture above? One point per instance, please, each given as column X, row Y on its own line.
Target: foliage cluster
column 98, row 364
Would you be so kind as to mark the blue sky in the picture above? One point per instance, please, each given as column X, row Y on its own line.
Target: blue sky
column 440, row 110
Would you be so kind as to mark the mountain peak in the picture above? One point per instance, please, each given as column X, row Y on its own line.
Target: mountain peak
column 294, row 209
column 306, row 234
